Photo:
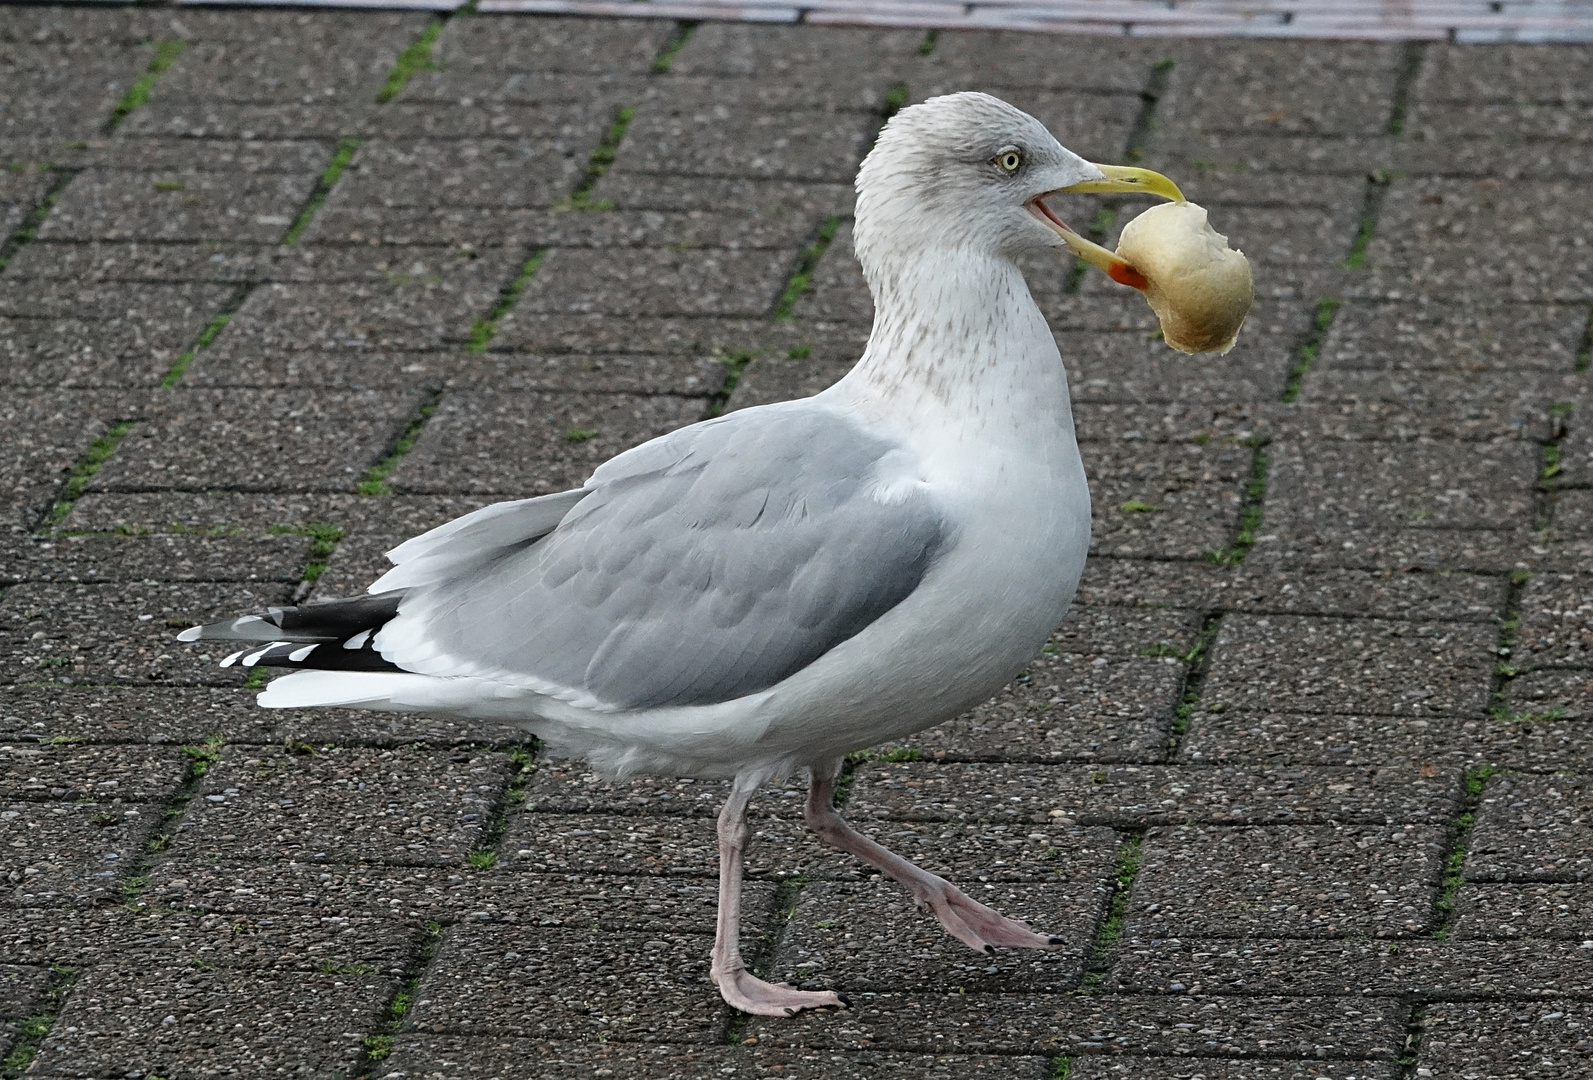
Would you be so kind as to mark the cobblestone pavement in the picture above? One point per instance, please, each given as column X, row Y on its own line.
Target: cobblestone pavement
column 1304, row 783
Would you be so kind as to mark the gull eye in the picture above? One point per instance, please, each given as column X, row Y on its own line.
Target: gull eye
column 1009, row 160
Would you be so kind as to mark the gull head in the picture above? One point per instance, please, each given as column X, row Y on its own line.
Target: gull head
column 969, row 173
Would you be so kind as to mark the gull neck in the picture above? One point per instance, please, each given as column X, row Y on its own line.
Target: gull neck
column 959, row 348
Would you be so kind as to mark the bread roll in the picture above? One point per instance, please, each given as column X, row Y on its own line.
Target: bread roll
column 1199, row 287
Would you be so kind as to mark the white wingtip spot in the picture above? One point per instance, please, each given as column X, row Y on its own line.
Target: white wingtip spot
column 254, row 658
column 190, row 634
column 233, row 659
column 358, row 640
column 297, row 655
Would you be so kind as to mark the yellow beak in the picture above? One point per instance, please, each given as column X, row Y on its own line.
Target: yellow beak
column 1120, row 179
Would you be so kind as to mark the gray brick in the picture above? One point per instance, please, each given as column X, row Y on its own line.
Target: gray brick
column 661, row 845
column 293, row 440
column 678, row 138
column 1163, row 422
column 861, row 94
column 527, row 444
column 41, row 437
column 1576, row 461
column 95, row 633
column 1404, row 408
column 178, row 205
column 289, row 157
column 107, row 261
column 21, row 190
column 1458, row 238
column 94, row 559
column 1469, row 338
column 1506, row 1040
column 1446, row 403
column 1269, row 88
column 124, row 336
column 246, row 366
column 484, row 172
column 1554, row 630
column 1134, row 367
column 1240, row 190
column 1494, row 910
column 1504, row 73
column 428, row 300
column 89, row 773
column 302, row 943
column 1271, row 590
column 20, row 988
column 407, row 806
column 996, row 60
column 689, row 375
column 1336, row 739
column 838, row 291
column 1151, row 583
column 330, row 57
column 1316, row 881
column 1438, row 550
column 1345, row 487
column 782, row 227
column 1140, row 795
column 866, row 935
column 1115, row 1024
column 1532, row 828
column 562, row 787
column 1177, row 150
column 248, row 1021
column 1496, row 122
column 509, row 46
column 1356, row 966
column 1102, row 1067
column 654, row 844
column 1164, row 500
column 66, row 93
column 564, row 117
column 359, row 560
column 556, row 983
column 1312, row 664
column 57, row 853
column 177, row 511
column 168, row 714
column 405, row 894
column 657, row 281
column 1568, row 694
column 1427, row 152
column 503, row 1057
column 880, row 57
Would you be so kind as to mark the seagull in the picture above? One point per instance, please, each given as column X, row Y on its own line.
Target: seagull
column 773, row 589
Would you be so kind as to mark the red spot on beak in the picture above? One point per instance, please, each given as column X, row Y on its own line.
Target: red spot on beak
column 1124, row 274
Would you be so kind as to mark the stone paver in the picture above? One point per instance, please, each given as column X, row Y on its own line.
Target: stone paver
column 1300, row 784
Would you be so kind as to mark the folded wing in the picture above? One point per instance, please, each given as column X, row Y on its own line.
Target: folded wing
column 704, row 566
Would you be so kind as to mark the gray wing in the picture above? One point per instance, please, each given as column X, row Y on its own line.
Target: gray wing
column 704, row 566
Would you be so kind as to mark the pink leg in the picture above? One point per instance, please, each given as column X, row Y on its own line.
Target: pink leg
column 964, row 918
column 740, row 988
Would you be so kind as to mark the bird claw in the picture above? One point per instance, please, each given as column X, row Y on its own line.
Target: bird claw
column 745, row 991
column 978, row 926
